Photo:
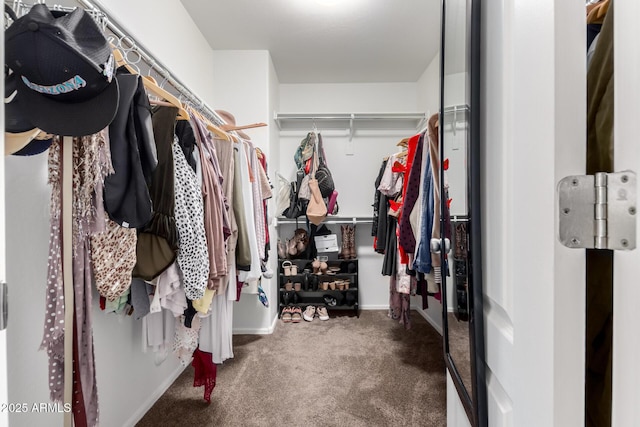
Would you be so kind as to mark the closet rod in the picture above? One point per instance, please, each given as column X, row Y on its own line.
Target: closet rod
column 98, row 11
column 330, row 220
column 116, row 28
column 456, row 108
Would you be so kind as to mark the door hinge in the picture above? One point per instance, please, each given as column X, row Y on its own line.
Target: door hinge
column 598, row 211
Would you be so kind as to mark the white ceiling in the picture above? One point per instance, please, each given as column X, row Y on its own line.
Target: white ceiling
column 327, row 41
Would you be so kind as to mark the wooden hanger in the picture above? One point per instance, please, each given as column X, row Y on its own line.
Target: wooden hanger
column 259, row 153
column 211, row 127
column 151, row 86
column 234, row 127
column 168, row 97
column 598, row 12
column 403, row 143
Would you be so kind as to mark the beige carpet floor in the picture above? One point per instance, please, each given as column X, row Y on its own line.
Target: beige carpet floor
column 347, row 371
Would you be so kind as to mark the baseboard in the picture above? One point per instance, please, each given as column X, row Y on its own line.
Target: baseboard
column 428, row 318
column 144, row 408
column 375, row 307
column 257, row 331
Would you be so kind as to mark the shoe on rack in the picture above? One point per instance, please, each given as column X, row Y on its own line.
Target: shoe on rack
column 344, row 252
column 309, row 313
column 296, row 298
column 286, row 298
column 286, row 268
column 286, row 314
column 322, row 313
column 296, row 314
column 352, row 241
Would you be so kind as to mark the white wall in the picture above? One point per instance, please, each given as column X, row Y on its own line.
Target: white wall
column 429, row 87
column 166, row 30
column 128, row 380
column 244, row 84
column 354, row 175
column 272, row 159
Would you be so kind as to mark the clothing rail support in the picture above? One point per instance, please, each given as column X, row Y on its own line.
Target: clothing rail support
column 353, row 116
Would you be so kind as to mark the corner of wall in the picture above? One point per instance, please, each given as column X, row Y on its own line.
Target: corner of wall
column 433, row 314
column 429, row 87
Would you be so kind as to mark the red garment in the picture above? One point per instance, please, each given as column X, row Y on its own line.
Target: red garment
column 239, row 285
column 205, row 372
column 411, row 152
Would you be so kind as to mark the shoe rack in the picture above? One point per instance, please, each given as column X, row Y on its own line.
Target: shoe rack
column 307, row 287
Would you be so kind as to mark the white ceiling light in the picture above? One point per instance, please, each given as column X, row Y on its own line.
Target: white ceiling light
column 319, row 5
column 329, row 3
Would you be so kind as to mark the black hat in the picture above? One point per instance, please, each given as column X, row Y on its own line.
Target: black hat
column 14, row 120
column 39, row 144
column 64, row 69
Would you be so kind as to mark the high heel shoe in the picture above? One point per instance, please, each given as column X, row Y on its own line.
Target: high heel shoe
column 294, row 269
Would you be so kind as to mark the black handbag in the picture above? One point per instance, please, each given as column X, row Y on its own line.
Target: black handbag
column 323, row 174
column 297, row 206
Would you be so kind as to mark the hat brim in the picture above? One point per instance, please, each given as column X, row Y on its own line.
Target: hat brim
column 36, row 146
column 14, row 142
column 70, row 119
column 15, row 120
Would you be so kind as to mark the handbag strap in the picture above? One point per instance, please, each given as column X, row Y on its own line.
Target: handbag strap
column 314, row 162
column 323, row 156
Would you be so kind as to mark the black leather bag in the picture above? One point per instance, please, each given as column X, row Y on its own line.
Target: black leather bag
column 297, row 206
column 323, row 174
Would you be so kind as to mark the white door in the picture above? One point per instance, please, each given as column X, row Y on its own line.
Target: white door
column 4, row 399
column 626, row 285
column 533, row 135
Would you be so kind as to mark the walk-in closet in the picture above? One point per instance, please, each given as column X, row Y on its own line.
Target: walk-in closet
column 318, row 212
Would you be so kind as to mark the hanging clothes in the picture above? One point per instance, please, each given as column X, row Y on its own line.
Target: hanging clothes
column 193, row 254
column 406, row 234
column 205, row 372
column 133, row 155
column 250, row 277
column 216, row 219
column 380, row 213
column 216, row 331
column 91, row 163
column 158, row 240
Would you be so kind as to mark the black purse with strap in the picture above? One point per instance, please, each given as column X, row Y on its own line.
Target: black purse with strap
column 297, row 206
column 323, row 174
